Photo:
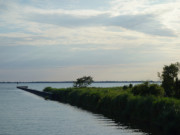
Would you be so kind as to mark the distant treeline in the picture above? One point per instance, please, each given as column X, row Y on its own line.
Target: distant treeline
column 93, row 82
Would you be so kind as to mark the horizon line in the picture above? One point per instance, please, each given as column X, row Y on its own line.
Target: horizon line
column 73, row 81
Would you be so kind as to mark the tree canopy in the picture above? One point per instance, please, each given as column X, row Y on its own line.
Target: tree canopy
column 169, row 78
column 83, row 81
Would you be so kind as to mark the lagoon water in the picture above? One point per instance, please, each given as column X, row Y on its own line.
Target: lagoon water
column 22, row 113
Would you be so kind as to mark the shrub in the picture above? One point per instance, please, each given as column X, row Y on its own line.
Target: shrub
column 156, row 90
column 47, row 89
column 125, row 87
column 147, row 89
column 130, row 85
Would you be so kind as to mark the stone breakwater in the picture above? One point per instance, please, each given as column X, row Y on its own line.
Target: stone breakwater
column 46, row 95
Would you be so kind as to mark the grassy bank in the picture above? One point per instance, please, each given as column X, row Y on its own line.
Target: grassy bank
column 159, row 113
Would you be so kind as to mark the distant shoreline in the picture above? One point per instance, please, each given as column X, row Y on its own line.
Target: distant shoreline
column 93, row 82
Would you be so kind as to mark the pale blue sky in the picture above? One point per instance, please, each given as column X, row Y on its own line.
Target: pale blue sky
column 61, row 40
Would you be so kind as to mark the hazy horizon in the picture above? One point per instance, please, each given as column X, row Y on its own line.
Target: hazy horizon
column 74, row 80
column 57, row 40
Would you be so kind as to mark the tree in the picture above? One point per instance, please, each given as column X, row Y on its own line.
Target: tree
column 177, row 88
column 83, row 81
column 169, row 78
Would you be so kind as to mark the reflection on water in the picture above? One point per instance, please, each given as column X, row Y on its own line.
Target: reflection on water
column 23, row 113
column 118, row 126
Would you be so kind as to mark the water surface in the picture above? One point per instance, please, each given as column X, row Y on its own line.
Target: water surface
column 22, row 113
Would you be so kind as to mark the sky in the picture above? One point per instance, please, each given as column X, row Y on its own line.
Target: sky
column 110, row 40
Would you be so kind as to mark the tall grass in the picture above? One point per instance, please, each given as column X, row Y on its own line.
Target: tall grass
column 161, row 113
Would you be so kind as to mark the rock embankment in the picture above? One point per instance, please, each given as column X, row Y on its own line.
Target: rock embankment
column 46, row 95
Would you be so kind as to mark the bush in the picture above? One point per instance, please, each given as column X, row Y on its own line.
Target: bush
column 125, row 87
column 147, row 89
column 130, row 85
column 156, row 90
column 47, row 89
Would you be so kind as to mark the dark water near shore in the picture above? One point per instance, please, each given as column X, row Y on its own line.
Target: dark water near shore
column 22, row 113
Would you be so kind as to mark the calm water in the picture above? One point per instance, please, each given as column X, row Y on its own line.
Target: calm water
column 22, row 113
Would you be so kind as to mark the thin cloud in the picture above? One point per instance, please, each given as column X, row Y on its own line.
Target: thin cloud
column 147, row 23
column 36, row 35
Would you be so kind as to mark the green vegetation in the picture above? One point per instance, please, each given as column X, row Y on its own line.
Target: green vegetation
column 147, row 89
column 157, row 107
column 83, row 81
column 153, row 110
